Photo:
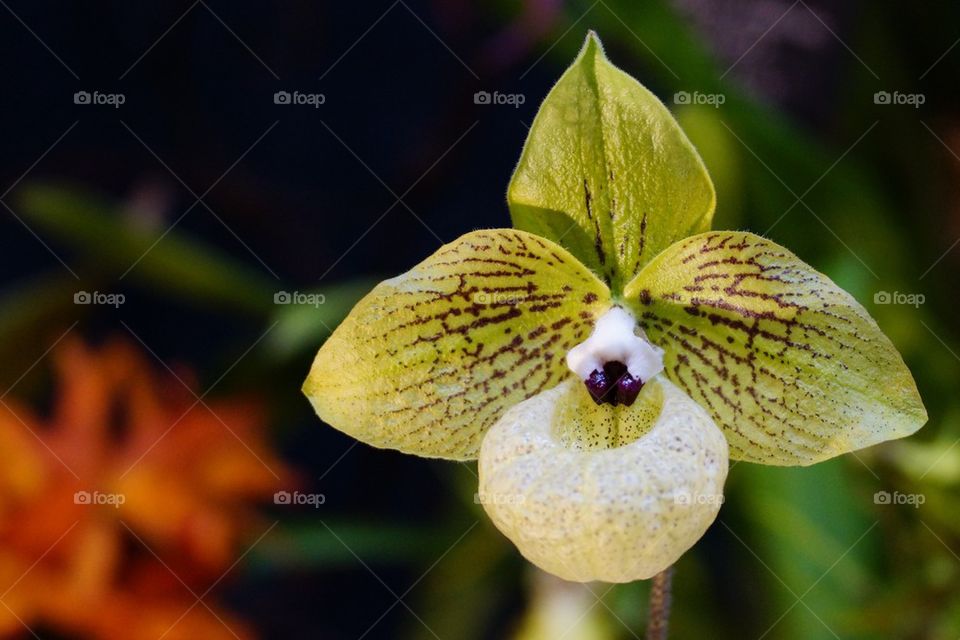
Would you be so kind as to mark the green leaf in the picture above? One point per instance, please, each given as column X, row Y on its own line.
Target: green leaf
column 607, row 173
column 430, row 359
column 790, row 366
column 301, row 327
column 811, row 527
column 165, row 259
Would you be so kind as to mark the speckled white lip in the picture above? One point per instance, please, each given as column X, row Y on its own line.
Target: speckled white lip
column 614, row 339
column 616, row 514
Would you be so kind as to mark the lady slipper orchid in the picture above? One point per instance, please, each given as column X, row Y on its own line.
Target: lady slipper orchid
column 608, row 356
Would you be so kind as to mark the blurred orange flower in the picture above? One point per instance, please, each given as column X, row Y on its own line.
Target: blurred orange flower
column 121, row 511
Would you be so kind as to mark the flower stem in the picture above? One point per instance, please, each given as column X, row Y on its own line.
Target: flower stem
column 659, row 609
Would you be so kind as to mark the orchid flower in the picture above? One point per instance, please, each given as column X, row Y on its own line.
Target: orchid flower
column 607, row 357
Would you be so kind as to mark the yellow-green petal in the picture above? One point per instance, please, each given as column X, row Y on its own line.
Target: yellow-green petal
column 430, row 359
column 590, row 507
column 607, row 172
column 792, row 368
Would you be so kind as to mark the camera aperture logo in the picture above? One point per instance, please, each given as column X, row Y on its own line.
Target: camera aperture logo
column 99, row 498
column 95, row 297
column 98, row 98
column 298, row 498
column 687, row 498
column 498, row 298
column 912, row 499
column 299, row 98
column 896, row 297
column 299, row 297
column 698, row 97
column 484, row 497
column 897, row 98
column 497, row 98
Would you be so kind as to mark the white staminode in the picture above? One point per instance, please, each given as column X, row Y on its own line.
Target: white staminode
column 613, row 338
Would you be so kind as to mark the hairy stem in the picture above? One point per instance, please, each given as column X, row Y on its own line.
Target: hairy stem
column 659, row 610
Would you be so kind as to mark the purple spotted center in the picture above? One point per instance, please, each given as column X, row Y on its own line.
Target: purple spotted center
column 613, row 385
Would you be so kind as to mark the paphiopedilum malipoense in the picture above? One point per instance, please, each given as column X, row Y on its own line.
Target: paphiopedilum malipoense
column 607, row 357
